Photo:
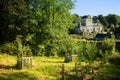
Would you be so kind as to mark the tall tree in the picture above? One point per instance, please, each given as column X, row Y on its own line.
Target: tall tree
column 40, row 22
column 13, row 19
column 102, row 19
column 95, row 19
column 76, row 22
column 51, row 18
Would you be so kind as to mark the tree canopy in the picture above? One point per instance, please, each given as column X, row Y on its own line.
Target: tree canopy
column 110, row 22
column 39, row 22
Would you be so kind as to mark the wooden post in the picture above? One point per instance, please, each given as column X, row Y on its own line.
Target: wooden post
column 62, row 71
column 82, row 73
column 93, row 73
column 76, row 70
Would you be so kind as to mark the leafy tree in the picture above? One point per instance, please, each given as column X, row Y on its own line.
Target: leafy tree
column 51, row 20
column 113, row 21
column 76, row 19
column 108, row 45
column 95, row 19
column 110, row 22
column 113, row 18
column 76, row 22
column 40, row 23
column 102, row 19
column 13, row 19
column 87, row 51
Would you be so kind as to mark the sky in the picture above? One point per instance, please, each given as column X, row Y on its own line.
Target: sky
column 96, row 7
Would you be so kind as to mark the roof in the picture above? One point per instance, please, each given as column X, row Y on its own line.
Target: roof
column 87, row 16
column 102, row 36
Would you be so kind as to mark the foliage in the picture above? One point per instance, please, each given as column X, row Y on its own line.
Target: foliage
column 61, row 47
column 52, row 49
column 108, row 45
column 76, row 22
column 13, row 19
column 51, row 26
column 53, row 19
column 39, row 22
column 8, row 48
column 22, row 50
column 114, row 59
column 71, row 46
column 90, row 51
column 111, row 22
column 109, row 72
column 87, row 51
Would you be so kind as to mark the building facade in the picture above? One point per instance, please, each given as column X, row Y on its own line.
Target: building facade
column 87, row 26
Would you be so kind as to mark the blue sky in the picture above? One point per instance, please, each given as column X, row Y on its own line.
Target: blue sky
column 96, row 7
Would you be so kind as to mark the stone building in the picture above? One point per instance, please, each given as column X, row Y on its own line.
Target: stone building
column 87, row 26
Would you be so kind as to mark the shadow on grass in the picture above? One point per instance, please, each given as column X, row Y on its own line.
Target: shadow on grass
column 110, row 72
column 7, row 66
column 17, row 76
column 7, row 74
column 71, row 77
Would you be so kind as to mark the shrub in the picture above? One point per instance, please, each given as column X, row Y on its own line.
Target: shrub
column 87, row 51
column 8, row 48
column 22, row 49
column 91, row 51
column 108, row 45
column 114, row 59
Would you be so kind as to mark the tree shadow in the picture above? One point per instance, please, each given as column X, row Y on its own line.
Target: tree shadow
column 2, row 66
column 110, row 73
column 17, row 76
column 7, row 73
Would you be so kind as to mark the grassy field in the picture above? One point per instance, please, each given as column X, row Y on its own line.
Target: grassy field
column 43, row 68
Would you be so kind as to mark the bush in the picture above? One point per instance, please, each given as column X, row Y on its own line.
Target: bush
column 87, row 51
column 108, row 45
column 22, row 48
column 114, row 59
column 91, row 51
column 8, row 48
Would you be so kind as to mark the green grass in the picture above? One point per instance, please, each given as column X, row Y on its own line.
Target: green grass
column 49, row 68
column 109, row 72
column 43, row 68
column 24, row 75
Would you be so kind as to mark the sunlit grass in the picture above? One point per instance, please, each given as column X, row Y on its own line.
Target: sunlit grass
column 7, row 59
column 48, row 68
column 43, row 68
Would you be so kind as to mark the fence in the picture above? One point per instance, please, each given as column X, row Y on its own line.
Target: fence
column 79, row 73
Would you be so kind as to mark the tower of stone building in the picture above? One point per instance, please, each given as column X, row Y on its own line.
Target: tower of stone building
column 86, row 21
